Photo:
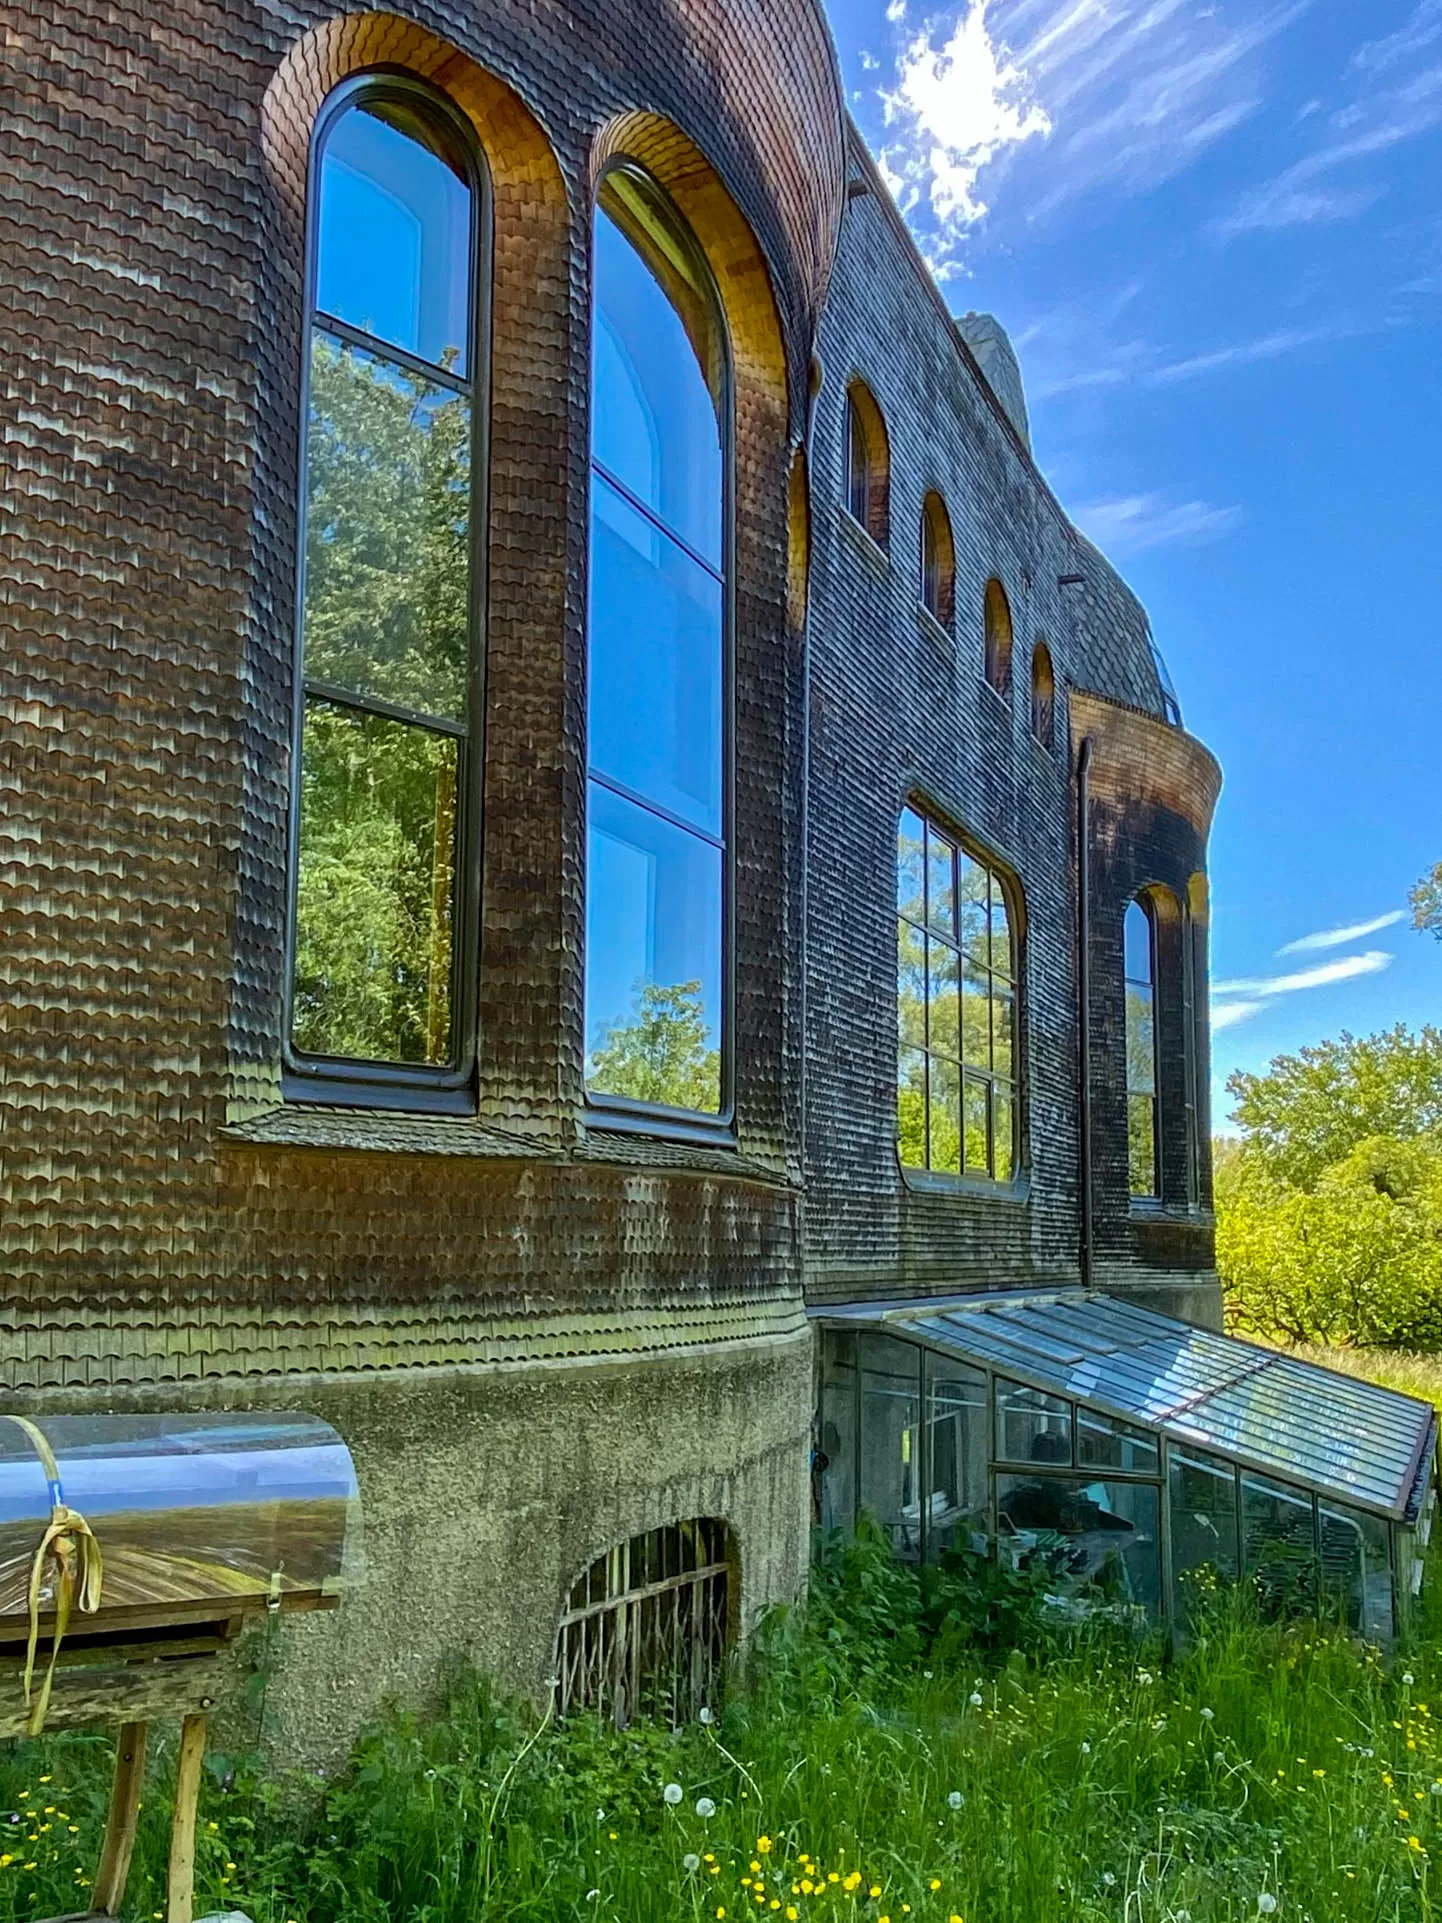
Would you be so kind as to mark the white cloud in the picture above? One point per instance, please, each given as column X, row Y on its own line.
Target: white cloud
column 1346, row 969
column 1135, row 523
column 956, row 106
column 1232, row 1014
column 1423, row 30
column 1268, row 347
column 1340, row 937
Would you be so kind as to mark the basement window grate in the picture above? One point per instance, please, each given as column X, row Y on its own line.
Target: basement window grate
column 645, row 1630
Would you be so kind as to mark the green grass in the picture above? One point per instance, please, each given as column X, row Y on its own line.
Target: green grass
column 948, row 1751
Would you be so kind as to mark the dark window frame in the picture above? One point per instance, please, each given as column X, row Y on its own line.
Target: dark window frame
column 1043, row 704
column 938, row 560
column 875, row 439
column 627, row 1113
column 1147, row 907
column 346, row 1081
column 998, row 643
column 1009, row 888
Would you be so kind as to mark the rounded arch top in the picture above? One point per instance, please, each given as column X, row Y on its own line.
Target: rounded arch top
column 996, row 611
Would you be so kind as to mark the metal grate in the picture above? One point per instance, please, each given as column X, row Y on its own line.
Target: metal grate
column 644, row 1632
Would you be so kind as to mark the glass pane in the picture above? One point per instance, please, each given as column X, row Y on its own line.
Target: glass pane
column 1278, row 1547
column 910, row 985
column 975, row 1015
column 656, row 655
column 653, row 958
column 945, row 1115
column 972, row 887
column 1003, row 1017
column 1109, row 1444
column 1204, row 1528
column 910, row 859
column 957, row 1430
column 375, row 889
column 654, row 417
column 1141, row 1042
column 1142, row 1144
column 911, row 1107
column 945, row 1014
column 1109, row 1552
column 836, row 1438
column 858, row 477
column 387, row 532
column 1137, row 942
column 1356, row 1570
column 1003, row 1111
column 1030, row 1426
column 1000, row 931
column 393, row 252
column 940, row 896
column 978, row 1128
column 890, row 1439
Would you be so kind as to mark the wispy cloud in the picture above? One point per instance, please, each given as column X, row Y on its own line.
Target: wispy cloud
column 1267, row 347
column 1117, row 92
column 1135, row 523
column 1232, row 1014
column 1346, row 968
column 1341, row 937
column 1422, row 31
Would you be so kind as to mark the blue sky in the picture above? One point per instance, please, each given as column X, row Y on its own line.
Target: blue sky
column 1214, row 232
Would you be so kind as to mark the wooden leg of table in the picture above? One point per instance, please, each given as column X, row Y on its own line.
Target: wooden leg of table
column 125, row 1793
column 181, row 1887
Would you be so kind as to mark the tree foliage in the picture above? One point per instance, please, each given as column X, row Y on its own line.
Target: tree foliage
column 1426, row 900
column 661, row 1054
column 1329, row 1210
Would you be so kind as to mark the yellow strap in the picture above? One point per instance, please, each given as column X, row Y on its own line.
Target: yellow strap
column 69, row 1543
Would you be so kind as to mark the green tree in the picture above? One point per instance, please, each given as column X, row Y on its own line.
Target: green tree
column 1426, row 900
column 1311, row 1109
column 661, row 1055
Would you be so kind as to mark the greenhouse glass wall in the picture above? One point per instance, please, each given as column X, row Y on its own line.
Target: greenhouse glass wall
column 1135, row 1455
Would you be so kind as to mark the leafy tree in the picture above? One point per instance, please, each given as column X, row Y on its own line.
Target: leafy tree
column 1311, row 1109
column 661, row 1055
column 1426, row 899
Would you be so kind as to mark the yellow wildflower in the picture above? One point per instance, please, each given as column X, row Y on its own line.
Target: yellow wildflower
column 936, row 1882
column 763, row 1846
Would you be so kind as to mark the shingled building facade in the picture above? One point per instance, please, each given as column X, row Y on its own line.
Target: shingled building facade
column 451, row 962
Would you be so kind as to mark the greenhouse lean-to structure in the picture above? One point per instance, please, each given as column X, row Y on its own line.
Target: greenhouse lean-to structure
column 1132, row 1450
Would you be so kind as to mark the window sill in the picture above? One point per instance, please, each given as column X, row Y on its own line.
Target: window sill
column 981, row 1188
column 999, row 695
column 935, row 631
column 870, row 551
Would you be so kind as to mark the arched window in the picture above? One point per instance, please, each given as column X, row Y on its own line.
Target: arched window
column 1140, row 952
column 868, row 464
column 384, row 832
column 997, row 648
column 658, row 793
column 957, row 1068
column 938, row 561
column 1043, row 695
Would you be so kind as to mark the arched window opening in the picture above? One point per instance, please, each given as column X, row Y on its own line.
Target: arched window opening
column 957, row 976
column 868, row 464
column 938, row 561
column 658, row 793
column 384, row 833
column 997, row 644
column 1140, row 963
column 1195, row 915
column 1043, row 696
column 646, row 1629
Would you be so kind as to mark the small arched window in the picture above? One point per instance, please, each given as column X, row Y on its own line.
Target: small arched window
column 1140, row 963
column 384, row 829
column 957, row 981
column 1043, row 695
column 938, row 561
column 658, row 792
column 868, row 464
column 997, row 641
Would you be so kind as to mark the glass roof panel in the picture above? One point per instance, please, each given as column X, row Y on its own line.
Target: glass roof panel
column 1349, row 1439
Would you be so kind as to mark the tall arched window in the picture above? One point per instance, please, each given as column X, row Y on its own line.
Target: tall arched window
column 938, row 561
column 659, row 801
column 1140, row 952
column 1043, row 695
column 868, row 464
column 384, row 835
column 957, row 1064
column 997, row 637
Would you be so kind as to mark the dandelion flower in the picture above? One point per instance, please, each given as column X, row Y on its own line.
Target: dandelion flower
column 936, row 1882
column 591, row 1895
column 1108, row 1880
column 672, row 1794
column 690, row 1862
column 1407, row 1677
column 1266, row 1904
column 708, row 1716
column 1086, row 1749
column 705, row 1807
column 955, row 1799
column 975, row 1699
column 1207, row 1715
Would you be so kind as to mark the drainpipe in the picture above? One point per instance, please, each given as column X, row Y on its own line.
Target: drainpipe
column 1084, row 1000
